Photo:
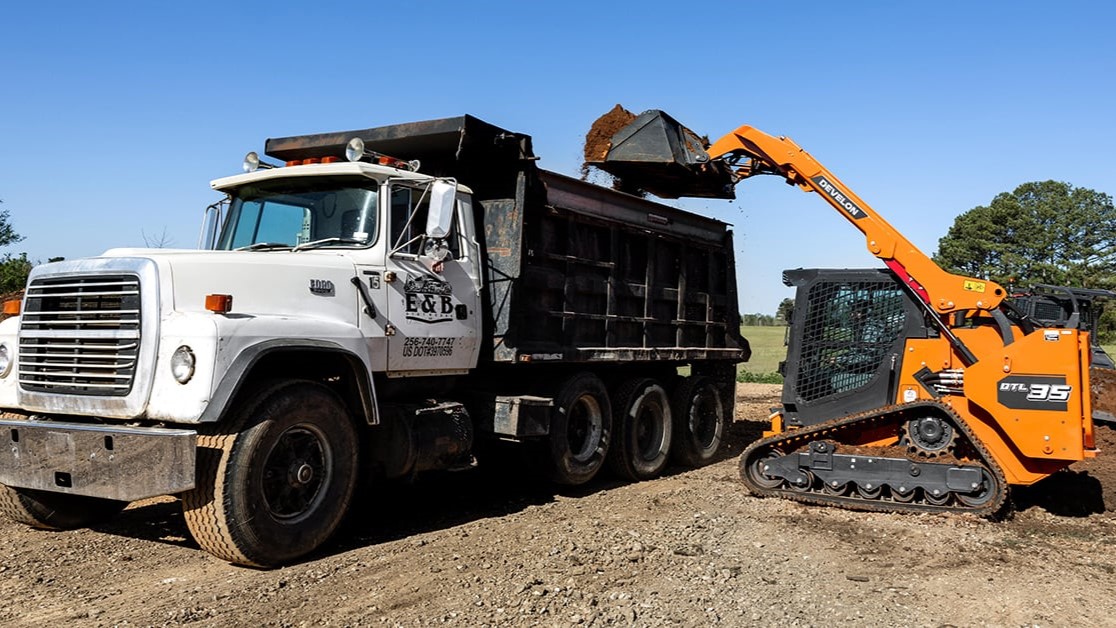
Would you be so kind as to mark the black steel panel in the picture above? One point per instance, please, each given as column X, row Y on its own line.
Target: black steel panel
column 441, row 140
column 593, row 200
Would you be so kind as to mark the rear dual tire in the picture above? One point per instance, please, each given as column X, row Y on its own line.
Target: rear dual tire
column 699, row 421
column 641, row 447
column 580, row 431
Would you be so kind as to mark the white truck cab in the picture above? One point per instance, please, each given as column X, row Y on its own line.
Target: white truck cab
column 307, row 255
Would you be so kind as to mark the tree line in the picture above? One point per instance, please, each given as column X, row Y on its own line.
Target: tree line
column 1042, row 232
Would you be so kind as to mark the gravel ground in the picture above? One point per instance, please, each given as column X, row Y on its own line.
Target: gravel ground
column 491, row 548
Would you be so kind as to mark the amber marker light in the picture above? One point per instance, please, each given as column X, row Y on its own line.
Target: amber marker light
column 12, row 307
column 219, row 303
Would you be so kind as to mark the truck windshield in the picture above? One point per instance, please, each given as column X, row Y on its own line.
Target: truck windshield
column 292, row 212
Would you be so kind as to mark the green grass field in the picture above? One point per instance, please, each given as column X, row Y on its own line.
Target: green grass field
column 768, row 351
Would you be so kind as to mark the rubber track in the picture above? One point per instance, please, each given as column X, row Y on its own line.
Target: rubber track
column 796, row 439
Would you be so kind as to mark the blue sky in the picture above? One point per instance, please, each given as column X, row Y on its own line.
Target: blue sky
column 115, row 116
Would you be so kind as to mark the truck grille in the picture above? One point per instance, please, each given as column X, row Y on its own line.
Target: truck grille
column 80, row 335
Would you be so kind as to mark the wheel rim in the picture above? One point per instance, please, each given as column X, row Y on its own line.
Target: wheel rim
column 705, row 414
column 585, row 426
column 930, row 435
column 937, row 500
column 649, row 432
column 869, row 493
column 296, row 472
column 903, row 497
column 806, row 484
column 983, row 494
column 758, row 476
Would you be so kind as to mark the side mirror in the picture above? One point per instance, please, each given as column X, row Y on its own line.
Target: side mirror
column 212, row 221
column 443, row 196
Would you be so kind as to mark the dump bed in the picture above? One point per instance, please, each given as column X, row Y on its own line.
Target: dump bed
column 575, row 272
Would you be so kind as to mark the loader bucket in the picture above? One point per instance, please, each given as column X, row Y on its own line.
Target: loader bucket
column 655, row 153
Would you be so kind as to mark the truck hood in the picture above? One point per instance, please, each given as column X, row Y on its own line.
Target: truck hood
column 304, row 284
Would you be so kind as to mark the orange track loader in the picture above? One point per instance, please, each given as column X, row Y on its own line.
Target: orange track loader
column 907, row 389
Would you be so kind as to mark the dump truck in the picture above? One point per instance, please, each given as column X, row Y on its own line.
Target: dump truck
column 907, row 388
column 373, row 303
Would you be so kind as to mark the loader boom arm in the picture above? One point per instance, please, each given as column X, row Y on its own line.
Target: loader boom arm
column 752, row 152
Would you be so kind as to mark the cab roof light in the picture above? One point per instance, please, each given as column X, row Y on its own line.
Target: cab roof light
column 355, row 151
column 12, row 307
column 218, row 303
column 253, row 163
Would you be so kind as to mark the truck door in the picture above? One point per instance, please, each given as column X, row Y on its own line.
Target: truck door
column 432, row 306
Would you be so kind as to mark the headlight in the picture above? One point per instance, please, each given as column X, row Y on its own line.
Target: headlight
column 182, row 364
column 5, row 359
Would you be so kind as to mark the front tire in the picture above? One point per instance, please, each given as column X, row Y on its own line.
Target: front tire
column 274, row 484
column 56, row 511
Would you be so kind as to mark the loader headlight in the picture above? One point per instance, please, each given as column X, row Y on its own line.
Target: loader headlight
column 182, row 364
column 5, row 359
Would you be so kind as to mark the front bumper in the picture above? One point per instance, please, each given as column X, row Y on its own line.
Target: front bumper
column 121, row 463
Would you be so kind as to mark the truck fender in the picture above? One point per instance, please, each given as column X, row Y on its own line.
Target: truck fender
column 241, row 371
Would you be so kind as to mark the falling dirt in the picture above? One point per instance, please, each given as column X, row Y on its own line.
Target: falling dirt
column 598, row 141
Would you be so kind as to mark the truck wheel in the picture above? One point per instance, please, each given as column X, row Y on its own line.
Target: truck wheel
column 641, row 445
column 580, row 429
column 699, row 421
column 56, row 511
column 276, row 482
